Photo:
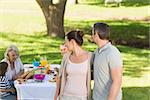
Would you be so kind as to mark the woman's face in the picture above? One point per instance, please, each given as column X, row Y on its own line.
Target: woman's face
column 12, row 56
column 69, row 44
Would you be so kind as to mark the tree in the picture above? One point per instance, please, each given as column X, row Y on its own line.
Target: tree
column 76, row 2
column 54, row 16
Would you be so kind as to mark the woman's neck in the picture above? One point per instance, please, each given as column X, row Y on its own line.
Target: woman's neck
column 77, row 51
column 12, row 64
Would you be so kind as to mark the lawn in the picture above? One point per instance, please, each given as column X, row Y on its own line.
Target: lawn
column 136, row 63
column 24, row 26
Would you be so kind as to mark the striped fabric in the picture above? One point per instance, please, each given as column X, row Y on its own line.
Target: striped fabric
column 4, row 84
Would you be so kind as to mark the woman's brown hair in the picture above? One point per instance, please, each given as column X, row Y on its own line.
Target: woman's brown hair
column 77, row 36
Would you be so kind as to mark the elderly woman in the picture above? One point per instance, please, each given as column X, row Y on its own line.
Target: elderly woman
column 15, row 66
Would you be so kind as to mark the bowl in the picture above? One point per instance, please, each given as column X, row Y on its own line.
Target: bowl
column 39, row 77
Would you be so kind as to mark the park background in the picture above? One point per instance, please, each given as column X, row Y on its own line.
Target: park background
column 22, row 23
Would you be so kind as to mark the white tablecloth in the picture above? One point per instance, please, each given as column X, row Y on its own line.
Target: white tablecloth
column 35, row 91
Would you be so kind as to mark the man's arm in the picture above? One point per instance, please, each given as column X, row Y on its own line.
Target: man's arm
column 116, row 74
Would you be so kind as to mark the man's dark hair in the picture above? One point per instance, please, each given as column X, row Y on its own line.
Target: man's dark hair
column 102, row 29
column 3, row 68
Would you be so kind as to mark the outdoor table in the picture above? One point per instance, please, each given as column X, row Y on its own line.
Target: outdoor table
column 32, row 90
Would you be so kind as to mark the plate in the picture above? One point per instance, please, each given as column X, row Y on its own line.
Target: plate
column 30, row 81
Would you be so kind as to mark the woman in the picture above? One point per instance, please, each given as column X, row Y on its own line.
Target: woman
column 74, row 80
column 15, row 66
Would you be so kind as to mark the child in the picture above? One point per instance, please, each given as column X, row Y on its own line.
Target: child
column 5, row 88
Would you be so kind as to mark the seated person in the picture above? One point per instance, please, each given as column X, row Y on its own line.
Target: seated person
column 5, row 88
column 15, row 66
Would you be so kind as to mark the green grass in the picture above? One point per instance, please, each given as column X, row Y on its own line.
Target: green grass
column 136, row 93
column 136, row 62
column 126, row 3
column 126, row 32
column 24, row 26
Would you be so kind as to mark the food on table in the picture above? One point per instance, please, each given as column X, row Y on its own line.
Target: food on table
column 24, row 75
column 52, row 81
column 40, row 69
column 36, row 63
column 44, row 62
column 56, row 70
column 21, row 80
column 48, row 69
column 27, row 75
column 31, row 73
column 39, row 74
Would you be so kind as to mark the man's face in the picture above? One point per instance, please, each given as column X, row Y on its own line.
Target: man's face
column 93, row 37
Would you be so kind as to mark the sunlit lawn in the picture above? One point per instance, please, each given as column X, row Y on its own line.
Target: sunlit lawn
column 136, row 63
column 31, row 19
column 24, row 26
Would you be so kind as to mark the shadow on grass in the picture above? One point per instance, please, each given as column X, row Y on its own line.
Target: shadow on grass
column 135, row 3
column 27, row 38
column 136, row 93
column 124, row 32
column 135, row 67
column 133, row 34
column 33, row 46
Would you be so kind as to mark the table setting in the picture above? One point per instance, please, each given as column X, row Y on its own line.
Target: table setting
column 37, row 83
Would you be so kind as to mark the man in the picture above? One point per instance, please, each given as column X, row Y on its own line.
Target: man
column 107, row 64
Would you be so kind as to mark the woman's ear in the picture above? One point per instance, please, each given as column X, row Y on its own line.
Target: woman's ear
column 73, row 42
column 97, row 36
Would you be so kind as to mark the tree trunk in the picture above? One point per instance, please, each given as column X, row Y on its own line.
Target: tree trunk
column 76, row 2
column 54, row 16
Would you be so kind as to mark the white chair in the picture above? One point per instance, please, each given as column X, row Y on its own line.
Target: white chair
column 113, row 1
